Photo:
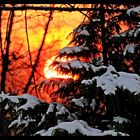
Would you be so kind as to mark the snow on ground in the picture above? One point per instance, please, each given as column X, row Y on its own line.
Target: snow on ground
column 81, row 126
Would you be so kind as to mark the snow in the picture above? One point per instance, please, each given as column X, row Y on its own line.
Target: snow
column 96, row 69
column 31, row 101
column 42, row 120
column 94, row 19
column 74, row 64
column 84, row 32
column 130, row 33
column 93, row 104
column 50, row 108
column 13, row 99
column 120, row 120
column 63, row 65
column 71, row 50
column 135, row 9
column 6, row 107
column 67, row 50
column 87, row 82
column 79, row 125
column 113, row 133
column 110, row 80
column 136, row 32
column 80, row 102
column 78, row 65
column 129, row 48
column 19, row 121
column 40, row 132
column 61, row 109
column 71, row 127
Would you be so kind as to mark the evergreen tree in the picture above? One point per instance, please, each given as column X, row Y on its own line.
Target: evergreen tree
column 102, row 97
column 98, row 43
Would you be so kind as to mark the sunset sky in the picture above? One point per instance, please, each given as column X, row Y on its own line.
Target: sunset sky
column 61, row 25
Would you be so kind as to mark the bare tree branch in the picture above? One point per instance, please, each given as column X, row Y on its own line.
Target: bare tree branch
column 39, row 52
column 70, row 9
column 28, row 44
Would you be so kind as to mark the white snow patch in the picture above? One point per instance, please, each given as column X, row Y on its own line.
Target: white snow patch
column 87, row 82
column 14, row 99
column 61, row 109
column 129, row 48
column 79, row 125
column 19, row 121
column 50, row 108
column 130, row 33
column 31, row 100
column 6, row 107
column 71, row 127
column 120, row 120
column 80, row 102
column 78, row 65
column 113, row 133
column 71, row 50
column 110, row 80
column 40, row 132
column 135, row 10
column 93, row 104
column 75, row 49
column 96, row 69
column 84, row 32
column 42, row 120
column 96, row 19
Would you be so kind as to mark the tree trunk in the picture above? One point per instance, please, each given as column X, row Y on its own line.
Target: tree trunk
column 105, row 60
column 5, row 56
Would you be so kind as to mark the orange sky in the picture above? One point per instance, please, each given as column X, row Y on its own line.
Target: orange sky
column 60, row 26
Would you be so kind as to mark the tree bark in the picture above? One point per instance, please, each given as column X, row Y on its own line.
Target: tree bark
column 105, row 60
column 5, row 57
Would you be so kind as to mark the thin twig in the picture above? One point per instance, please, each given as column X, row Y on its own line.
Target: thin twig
column 28, row 44
column 39, row 52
